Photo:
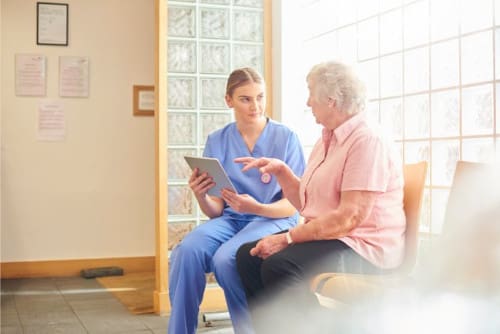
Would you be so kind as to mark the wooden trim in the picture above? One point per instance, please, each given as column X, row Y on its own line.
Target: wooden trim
column 64, row 268
column 161, row 166
column 268, row 55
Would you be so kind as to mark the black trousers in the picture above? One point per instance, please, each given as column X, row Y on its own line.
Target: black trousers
column 277, row 288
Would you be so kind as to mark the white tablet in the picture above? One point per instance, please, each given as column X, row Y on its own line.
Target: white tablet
column 213, row 167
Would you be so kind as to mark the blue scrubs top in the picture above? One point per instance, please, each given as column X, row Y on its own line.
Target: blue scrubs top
column 275, row 141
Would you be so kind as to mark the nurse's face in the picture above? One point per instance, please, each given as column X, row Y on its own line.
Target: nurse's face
column 248, row 102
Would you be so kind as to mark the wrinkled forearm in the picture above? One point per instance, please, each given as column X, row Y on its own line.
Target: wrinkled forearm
column 290, row 184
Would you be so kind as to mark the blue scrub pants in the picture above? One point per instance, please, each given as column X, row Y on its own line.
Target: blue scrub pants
column 212, row 247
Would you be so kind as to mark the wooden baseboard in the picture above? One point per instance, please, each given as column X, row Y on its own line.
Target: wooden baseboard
column 65, row 268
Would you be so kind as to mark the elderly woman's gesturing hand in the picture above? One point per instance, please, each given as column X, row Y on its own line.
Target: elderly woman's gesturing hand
column 265, row 165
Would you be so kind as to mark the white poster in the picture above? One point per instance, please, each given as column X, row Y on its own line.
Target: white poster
column 30, row 75
column 51, row 121
column 73, row 76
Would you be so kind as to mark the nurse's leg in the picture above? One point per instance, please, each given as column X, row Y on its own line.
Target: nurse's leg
column 227, row 276
column 189, row 262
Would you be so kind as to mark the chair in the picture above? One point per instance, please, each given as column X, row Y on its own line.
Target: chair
column 333, row 289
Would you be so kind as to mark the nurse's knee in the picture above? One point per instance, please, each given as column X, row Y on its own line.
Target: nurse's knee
column 191, row 245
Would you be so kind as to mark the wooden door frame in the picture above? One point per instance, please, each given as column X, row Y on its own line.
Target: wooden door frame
column 214, row 297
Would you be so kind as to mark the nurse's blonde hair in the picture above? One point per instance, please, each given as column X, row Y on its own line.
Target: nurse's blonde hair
column 241, row 77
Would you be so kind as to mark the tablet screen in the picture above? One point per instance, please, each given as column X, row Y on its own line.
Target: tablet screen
column 214, row 168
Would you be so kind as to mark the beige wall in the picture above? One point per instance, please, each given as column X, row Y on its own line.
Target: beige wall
column 91, row 195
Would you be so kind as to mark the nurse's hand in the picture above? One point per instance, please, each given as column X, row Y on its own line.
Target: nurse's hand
column 200, row 183
column 265, row 165
column 269, row 245
column 242, row 203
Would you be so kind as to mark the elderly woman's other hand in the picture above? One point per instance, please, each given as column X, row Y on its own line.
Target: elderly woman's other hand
column 269, row 245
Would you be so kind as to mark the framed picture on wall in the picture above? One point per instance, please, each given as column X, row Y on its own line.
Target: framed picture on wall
column 144, row 100
column 51, row 23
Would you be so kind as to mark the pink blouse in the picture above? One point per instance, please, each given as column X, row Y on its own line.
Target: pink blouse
column 354, row 156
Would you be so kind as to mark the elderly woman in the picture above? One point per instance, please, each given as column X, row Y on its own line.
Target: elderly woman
column 351, row 198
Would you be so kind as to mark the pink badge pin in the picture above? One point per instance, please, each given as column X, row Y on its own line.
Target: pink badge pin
column 265, row 178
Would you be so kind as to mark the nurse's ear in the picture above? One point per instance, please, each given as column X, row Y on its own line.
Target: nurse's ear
column 229, row 101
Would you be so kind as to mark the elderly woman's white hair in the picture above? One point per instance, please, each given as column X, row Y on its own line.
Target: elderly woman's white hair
column 338, row 81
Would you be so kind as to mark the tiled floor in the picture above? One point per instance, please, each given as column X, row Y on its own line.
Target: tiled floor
column 75, row 305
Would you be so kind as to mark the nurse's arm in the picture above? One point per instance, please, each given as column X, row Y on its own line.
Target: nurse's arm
column 210, row 205
column 280, row 209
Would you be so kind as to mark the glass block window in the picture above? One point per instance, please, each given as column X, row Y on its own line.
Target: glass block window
column 432, row 70
column 207, row 39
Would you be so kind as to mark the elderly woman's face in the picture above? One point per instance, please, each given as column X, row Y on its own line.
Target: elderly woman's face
column 320, row 108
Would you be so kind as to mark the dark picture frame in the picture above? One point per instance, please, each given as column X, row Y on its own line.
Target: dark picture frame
column 52, row 23
column 143, row 100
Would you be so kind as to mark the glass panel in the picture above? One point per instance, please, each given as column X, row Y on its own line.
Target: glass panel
column 347, row 46
column 444, row 158
column 391, row 117
column 215, row 58
column 391, row 34
column 417, row 116
column 368, row 38
column 177, row 232
column 445, row 114
column 181, row 93
column 367, row 8
column 497, row 12
column 177, row 167
column 477, row 15
column 444, row 64
column 181, row 128
column 497, row 52
column 368, row 72
column 417, row 70
column 418, row 151
column 391, row 77
column 247, row 26
column 216, row 2
column 477, row 65
column 498, row 107
column 416, row 24
column 444, row 19
column 439, row 201
column 212, row 93
column 346, row 12
column 248, row 55
column 180, row 201
column 248, row 3
column 181, row 21
column 389, row 4
column 478, row 149
column 372, row 111
column 425, row 212
column 181, row 56
column 214, row 23
column 212, row 122
column 477, row 110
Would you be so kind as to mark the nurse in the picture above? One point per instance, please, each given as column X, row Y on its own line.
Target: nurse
column 259, row 208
